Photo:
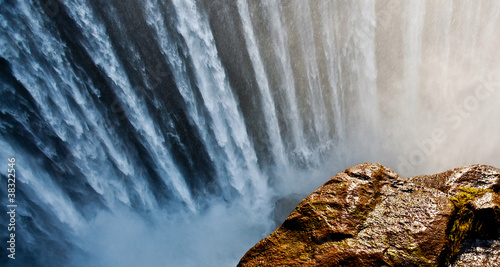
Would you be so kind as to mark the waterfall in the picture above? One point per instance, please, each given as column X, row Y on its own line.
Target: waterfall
column 177, row 129
column 263, row 85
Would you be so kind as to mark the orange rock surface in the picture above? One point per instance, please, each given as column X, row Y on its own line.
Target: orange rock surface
column 370, row 216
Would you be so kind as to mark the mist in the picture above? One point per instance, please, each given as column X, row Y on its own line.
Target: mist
column 218, row 237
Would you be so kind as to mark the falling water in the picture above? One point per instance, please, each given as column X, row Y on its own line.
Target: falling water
column 180, row 132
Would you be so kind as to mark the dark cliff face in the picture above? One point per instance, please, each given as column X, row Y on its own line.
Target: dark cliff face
column 369, row 216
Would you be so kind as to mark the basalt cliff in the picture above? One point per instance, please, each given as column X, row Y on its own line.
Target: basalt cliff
column 370, row 216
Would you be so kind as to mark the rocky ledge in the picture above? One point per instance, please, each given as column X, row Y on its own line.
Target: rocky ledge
column 370, row 216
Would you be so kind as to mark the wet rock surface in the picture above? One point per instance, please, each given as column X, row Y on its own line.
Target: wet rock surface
column 480, row 253
column 370, row 216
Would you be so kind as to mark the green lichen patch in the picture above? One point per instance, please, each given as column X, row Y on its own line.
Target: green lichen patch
column 464, row 220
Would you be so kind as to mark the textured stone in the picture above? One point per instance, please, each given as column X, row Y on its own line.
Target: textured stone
column 369, row 216
column 479, row 253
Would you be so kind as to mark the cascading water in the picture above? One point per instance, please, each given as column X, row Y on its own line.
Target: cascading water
column 179, row 132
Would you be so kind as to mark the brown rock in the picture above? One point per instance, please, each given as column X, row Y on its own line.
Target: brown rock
column 479, row 253
column 369, row 216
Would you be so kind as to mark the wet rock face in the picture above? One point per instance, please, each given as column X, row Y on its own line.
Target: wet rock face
column 479, row 253
column 369, row 216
